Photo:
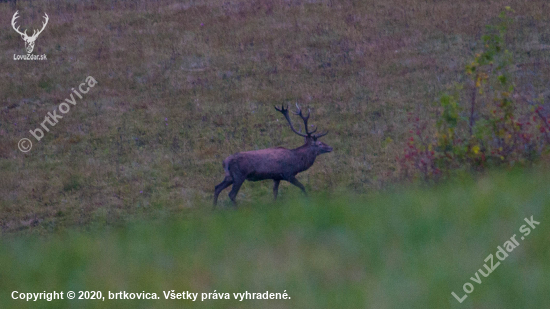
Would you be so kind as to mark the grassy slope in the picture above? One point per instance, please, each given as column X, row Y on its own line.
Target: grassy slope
column 408, row 249
column 214, row 71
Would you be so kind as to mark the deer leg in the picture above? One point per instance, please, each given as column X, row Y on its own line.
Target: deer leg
column 220, row 187
column 275, row 188
column 237, row 183
column 298, row 184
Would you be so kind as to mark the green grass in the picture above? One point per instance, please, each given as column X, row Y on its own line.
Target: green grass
column 402, row 249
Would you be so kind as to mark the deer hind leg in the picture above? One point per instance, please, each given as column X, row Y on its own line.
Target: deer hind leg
column 220, row 187
column 275, row 188
column 237, row 183
column 298, row 184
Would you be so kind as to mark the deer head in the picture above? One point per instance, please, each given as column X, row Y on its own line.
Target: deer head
column 310, row 137
column 29, row 40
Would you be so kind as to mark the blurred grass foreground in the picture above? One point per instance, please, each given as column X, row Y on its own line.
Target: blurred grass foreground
column 408, row 249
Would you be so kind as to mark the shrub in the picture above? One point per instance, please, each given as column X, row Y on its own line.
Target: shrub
column 481, row 123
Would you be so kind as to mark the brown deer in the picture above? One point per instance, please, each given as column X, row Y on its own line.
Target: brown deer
column 273, row 163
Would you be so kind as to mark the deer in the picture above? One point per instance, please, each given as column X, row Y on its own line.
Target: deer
column 29, row 40
column 277, row 163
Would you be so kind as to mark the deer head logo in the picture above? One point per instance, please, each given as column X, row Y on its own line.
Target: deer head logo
column 29, row 40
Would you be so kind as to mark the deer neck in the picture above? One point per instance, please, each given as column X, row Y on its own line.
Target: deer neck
column 306, row 154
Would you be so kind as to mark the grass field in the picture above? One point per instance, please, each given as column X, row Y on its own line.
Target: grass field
column 182, row 85
column 408, row 249
column 117, row 195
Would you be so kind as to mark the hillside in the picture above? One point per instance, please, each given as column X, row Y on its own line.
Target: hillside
column 180, row 86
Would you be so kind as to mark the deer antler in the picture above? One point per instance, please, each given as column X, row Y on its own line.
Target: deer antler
column 24, row 34
column 35, row 34
column 284, row 111
column 304, row 119
column 15, row 16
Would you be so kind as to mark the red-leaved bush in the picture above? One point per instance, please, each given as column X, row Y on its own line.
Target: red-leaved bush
column 483, row 123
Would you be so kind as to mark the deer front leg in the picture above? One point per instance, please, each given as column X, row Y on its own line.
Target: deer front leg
column 298, row 184
column 275, row 188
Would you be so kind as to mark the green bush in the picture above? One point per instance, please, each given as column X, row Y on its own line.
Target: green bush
column 483, row 122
